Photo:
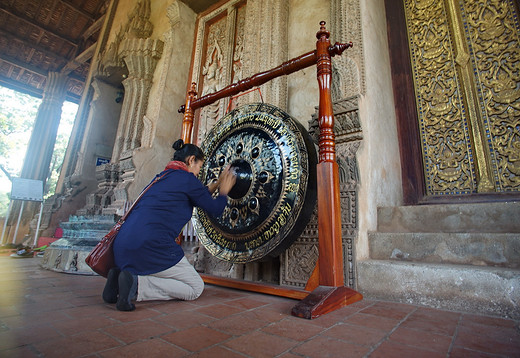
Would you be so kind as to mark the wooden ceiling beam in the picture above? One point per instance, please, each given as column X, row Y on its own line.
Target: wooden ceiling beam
column 33, row 46
column 25, row 66
column 40, row 27
column 79, row 60
column 77, row 9
column 92, row 29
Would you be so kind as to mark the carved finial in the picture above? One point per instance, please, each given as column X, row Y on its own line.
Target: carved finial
column 323, row 31
column 338, row 48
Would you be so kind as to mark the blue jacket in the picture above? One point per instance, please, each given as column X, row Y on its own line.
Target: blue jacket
column 146, row 243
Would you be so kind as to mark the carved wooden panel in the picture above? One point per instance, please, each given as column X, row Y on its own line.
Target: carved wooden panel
column 465, row 64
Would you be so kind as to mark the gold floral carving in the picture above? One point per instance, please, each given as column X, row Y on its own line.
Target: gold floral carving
column 464, row 55
column 493, row 35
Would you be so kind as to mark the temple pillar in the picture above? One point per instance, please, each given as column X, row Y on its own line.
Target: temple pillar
column 43, row 137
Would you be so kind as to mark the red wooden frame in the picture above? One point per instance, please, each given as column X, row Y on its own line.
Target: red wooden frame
column 326, row 282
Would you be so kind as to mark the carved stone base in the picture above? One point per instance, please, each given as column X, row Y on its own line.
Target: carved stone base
column 80, row 236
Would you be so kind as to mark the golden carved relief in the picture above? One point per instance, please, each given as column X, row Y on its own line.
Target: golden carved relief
column 465, row 60
column 493, row 38
column 446, row 144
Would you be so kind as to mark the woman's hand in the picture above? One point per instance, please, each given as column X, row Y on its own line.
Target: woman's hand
column 226, row 180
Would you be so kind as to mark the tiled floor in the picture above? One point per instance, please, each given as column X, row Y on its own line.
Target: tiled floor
column 49, row 314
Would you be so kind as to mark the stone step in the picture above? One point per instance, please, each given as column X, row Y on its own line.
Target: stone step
column 480, row 249
column 488, row 290
column 498, row 217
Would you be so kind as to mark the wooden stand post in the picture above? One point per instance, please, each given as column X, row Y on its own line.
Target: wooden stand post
column 326, row 282
column 189, row 113
column 331, row 293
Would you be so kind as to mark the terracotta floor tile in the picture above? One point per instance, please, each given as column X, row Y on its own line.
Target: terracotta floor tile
column 335, row 317
column 486, row 320
column 217, row 352
column 289, row 355
column 207, row 299
column 224, row 293
column 294, row 328
column 260, row 345
column 140, row 313
column 49, row 314
column 363, row 303
column 196, row 339
column 354, row 334
column 237, row 325
column 395, row 306
column 284, row 307
column 20, row 352
column 170, row 306
column 434, row 322
column 181, row 320
column 73, row 326
column 264, row 314
column 75, row 346
column 25, row 320
column 324, row 347
column 90, row 311
column 370, row 321
column 458, row 352
column 383, row 309
column 27, row 335
column 219, row 310
column 149, row 348
column 246, row 303
column 134, row 331
column 391, row 349
column 420, row 339
column 498, row 340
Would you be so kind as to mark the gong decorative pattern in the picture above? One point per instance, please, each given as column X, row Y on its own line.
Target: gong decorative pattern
column 275, row 193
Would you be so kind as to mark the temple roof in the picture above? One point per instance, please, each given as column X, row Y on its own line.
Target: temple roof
column 42, row 36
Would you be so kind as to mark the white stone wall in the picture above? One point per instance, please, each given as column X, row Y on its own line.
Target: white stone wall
column 378, row 155
column 303, row 85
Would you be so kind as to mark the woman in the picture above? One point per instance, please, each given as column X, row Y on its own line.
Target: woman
column 150, row 264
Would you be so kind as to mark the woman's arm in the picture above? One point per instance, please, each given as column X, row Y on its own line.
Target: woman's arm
column 225, row 181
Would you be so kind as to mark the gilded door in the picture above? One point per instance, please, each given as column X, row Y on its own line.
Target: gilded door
column 465, row 58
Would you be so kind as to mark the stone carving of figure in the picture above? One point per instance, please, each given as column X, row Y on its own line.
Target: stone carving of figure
column 237, row 60
column 212, row 73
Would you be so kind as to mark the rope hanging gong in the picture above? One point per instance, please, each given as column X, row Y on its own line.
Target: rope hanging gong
column 274, row 196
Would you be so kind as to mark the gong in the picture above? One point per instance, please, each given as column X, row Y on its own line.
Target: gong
column 274, row 160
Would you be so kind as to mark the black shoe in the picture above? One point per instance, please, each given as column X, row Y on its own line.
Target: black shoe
column 112, row 286
column 127, row 291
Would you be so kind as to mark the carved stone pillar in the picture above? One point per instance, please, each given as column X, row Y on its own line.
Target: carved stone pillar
column 43, row 137
column 140, row 56
column 349, row 69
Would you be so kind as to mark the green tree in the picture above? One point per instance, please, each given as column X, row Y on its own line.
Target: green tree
column 17, row 114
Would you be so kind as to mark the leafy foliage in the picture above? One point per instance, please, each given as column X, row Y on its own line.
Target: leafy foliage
column 17, row 114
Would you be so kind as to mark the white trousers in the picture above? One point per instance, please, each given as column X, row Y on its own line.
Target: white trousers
column 178, row 282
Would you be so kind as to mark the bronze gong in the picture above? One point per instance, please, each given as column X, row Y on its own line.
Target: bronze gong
column 274, row 196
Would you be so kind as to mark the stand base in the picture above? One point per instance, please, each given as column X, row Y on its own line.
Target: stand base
column 325, row 299
column 255, row 287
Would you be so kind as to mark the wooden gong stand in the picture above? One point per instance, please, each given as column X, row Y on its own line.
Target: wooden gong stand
column 325, row 291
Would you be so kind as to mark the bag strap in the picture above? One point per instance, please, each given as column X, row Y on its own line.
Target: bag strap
column 155, row 180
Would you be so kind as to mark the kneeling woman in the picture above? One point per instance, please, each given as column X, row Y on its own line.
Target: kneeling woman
column 150, row 264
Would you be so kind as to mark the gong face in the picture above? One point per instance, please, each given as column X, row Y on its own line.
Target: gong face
column 274, row 161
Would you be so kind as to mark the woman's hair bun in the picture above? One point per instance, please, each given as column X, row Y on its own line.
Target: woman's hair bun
column 178, row 144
